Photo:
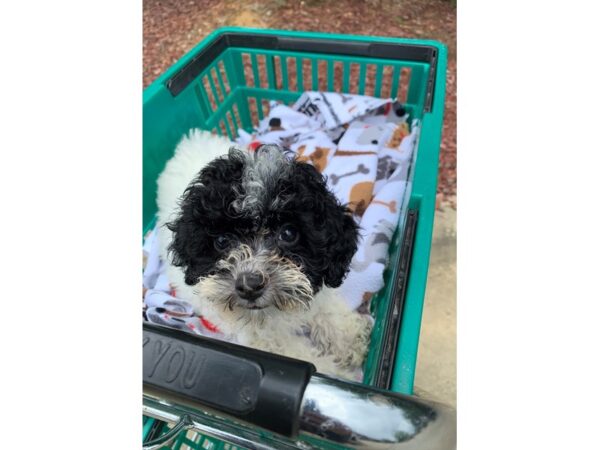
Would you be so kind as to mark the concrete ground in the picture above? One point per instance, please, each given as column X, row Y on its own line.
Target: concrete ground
column 435, row 377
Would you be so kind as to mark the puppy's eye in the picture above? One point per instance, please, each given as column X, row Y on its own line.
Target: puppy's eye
column 223, row 242
column 288, row 234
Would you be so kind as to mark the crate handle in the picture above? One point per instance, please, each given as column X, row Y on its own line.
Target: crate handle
column 304, row 42
column 185, row 423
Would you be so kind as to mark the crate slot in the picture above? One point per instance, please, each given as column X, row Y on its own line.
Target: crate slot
column 265, row 107
column 322, row 75
column 236, row 115
column 248, row 69
column 354, row 73
column 278, row 75
column 223, row 77
column 386, row 82
column 261, row 67
column 231, row 127
column 218, row 82
column 292, row 76
column 209, row 93
column 338, row 73
column 213, row 90
column 221, row 129
column 370, row 80
column 255, row 115
column 404, row 83
column 307, row 74
column 284, row 73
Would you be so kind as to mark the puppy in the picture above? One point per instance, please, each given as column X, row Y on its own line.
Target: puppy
column 258, row 244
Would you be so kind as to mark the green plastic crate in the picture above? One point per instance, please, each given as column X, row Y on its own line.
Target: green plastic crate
column 226, row 81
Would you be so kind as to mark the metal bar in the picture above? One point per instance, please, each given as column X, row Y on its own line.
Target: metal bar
column 207, row 423
column 333, row 412
column 358, row 416
column 183, row 424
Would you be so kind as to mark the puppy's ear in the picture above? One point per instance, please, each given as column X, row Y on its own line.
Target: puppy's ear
column 182, row 249
column 202, row 205
column 342, row 243
column 334, row 234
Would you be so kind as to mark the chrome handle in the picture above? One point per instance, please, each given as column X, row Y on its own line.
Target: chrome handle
column 359, row 416
column 185, row 423
column 333, row 411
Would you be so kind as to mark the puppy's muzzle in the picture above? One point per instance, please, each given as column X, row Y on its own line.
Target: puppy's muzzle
column 250, row 285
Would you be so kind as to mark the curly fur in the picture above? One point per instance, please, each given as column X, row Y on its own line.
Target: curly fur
column 287, row 287
column 208, row 190
column 237, row 196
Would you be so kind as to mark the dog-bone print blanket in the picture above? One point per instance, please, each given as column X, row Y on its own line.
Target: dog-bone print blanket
column 364, row 146
column 161, row 305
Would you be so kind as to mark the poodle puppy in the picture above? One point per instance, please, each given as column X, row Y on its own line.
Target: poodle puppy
column 256, row 242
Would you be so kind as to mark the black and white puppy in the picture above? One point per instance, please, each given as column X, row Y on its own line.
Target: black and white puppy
column 257, row 243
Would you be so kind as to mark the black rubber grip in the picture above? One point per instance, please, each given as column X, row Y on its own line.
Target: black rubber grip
column 258, row 387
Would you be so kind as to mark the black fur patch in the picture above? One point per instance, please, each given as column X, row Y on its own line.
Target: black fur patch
column 328, row 233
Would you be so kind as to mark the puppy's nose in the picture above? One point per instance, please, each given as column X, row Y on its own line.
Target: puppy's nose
column 249, row 285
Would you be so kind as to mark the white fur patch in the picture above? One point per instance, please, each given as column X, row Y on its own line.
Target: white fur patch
column 287, row 287
column 193, row 153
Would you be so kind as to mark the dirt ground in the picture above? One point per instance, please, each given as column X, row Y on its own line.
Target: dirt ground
column 173, row 27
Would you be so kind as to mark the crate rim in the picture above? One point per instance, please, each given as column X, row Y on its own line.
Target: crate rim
column 186, row 58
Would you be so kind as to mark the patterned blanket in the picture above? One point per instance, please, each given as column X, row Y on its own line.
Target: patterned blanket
column 364, row 146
